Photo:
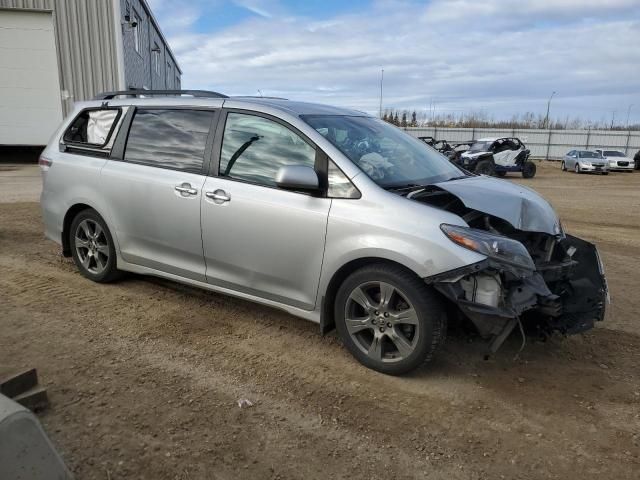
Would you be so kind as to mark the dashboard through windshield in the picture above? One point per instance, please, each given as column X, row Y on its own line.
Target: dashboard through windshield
column 389, row 156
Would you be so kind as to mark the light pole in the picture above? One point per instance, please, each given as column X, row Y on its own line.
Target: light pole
column 628, row 113
column 546, row 118
column 381, row 82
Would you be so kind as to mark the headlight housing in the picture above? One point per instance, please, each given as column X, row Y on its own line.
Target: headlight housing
column 499, row 248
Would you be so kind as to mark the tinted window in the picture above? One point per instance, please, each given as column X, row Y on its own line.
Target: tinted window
column 612, row 153
column 585, row 154
column 169, row 138
column 254, row 148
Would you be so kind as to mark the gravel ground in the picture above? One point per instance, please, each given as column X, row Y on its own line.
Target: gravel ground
column 144, row 375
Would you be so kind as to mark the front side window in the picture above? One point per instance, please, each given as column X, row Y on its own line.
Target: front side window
column 169, row 138
column 389, row 156
column 254, row 148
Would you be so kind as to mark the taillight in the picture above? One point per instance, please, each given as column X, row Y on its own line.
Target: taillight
column 44, row 162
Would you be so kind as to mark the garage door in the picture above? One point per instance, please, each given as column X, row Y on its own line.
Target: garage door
column 30, row 105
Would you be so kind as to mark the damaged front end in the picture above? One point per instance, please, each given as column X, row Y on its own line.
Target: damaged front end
column 534, row 274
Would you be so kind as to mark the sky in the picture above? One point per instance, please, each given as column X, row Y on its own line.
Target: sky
column 494, row 57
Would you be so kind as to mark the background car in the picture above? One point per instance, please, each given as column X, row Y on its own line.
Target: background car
column 584, row 161
column 617, row 160
column 497, row 156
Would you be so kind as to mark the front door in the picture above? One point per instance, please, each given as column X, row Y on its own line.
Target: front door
column 259, row 239
column 154, row 192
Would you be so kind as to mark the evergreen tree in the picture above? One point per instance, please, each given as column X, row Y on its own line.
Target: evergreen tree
column 404, row 119
column 414, row 121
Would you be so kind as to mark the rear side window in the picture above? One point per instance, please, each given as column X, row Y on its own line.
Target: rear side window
column 169, row 138
column 254, row 148
column 92, row 128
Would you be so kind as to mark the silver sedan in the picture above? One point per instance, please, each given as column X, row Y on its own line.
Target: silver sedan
column 585, row 161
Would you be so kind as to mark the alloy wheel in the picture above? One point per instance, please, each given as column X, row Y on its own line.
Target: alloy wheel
column 382, row 322
column 92, row 246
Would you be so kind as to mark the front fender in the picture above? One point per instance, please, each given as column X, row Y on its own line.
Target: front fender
column 391, row 228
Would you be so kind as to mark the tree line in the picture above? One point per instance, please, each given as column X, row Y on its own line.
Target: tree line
column 411, row 118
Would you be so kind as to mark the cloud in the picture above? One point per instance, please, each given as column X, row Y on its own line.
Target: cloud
column 501, row 56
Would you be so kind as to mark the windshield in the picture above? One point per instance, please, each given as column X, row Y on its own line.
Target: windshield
column 480, row 147
column 613, row 153
column 390, row 157
column 589, row 155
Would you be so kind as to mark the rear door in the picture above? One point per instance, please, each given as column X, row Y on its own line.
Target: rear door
column 259, row 239
column 154, row 189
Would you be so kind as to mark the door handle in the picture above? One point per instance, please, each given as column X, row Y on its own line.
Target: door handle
column 218, row 196
column 186, row 189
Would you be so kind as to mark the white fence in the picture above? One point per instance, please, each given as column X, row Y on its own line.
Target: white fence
column 549, row 144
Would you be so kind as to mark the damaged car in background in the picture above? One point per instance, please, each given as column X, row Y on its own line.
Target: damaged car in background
column 327, row 213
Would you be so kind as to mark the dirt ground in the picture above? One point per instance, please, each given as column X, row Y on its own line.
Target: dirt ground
column 144, row 375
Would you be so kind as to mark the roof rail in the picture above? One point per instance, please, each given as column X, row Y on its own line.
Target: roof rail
column 149, row 93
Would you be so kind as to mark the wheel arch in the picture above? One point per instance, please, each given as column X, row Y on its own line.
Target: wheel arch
column 71, row 213
column 327, row 320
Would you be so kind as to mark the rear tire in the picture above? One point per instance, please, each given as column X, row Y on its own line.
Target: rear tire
column 389, row 319
column 485, row 167
column 92, row 247
column 528, row 170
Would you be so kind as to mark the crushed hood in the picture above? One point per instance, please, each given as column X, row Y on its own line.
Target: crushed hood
column 520, row 206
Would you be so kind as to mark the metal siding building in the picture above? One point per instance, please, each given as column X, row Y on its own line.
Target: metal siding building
column 56, row 52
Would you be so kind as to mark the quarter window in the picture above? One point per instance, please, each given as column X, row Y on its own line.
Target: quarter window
column 254, row 148
column 339, row 184
column 169, row 138
column 92, row 128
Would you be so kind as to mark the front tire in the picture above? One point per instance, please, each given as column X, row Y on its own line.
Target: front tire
column 577, row 168
column 388, row 318
column 92, row 247
column 528, row 170
column 563, row 167
column 485, row 167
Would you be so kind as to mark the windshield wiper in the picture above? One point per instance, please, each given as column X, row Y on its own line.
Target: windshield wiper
column 400, row 188
column 456, row 178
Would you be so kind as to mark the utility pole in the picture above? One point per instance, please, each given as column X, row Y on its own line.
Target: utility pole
column 546, row 118
column 628, row 113
column 613, row 117
column 381, row 83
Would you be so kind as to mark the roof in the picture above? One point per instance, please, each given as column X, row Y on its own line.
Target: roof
column 290, row 107
column 298, row 108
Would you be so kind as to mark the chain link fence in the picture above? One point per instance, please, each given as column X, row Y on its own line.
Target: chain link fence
column 545, row 144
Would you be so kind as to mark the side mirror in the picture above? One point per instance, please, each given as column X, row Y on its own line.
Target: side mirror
column 297, row 177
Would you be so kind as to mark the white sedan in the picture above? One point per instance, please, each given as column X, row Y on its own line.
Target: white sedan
column 617, row 160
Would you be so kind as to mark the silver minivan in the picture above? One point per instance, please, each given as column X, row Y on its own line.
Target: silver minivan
column 330, row 214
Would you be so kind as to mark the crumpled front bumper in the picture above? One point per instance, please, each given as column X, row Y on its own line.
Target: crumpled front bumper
column 567, row 296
